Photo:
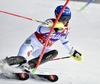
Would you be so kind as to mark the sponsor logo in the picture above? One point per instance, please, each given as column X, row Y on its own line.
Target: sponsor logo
column 56, row 36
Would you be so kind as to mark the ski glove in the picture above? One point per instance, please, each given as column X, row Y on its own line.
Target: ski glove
column 58, row 25
column 76, row 55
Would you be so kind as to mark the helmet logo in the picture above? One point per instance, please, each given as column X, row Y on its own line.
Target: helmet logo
column 66, row 11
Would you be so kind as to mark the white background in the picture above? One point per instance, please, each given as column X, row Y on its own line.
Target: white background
column 84, row 36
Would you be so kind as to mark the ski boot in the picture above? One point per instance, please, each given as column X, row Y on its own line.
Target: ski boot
column 26, row 67
column 46, row 57
column 15, row 60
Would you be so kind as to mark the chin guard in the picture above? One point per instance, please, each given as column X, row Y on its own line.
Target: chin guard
column 58, row 25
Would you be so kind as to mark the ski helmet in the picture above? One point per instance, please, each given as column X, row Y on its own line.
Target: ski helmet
column 66, row 14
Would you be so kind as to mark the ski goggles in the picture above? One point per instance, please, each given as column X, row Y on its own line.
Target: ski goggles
column 65, row 18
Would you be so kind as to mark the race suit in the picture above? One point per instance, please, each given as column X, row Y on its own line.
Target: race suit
column 33, row 45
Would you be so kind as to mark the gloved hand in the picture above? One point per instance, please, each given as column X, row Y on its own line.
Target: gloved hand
column 76, row 55
column 58, row 25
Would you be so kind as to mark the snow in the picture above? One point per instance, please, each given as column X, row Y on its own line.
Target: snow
column 84, row 36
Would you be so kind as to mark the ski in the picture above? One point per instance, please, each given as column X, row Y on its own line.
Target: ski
column 51, row 77
column 26, row 76
column 13, row 72
column 21, row 76
column 8, row 72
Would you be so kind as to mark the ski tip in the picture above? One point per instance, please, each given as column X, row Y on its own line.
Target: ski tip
column 22, row 76
column 53, row 78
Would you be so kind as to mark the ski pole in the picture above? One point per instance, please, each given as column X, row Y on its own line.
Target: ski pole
column 75, row 58
column 9, row 13
column 60, row 58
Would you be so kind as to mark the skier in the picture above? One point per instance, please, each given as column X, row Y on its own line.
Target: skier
column 30, row 50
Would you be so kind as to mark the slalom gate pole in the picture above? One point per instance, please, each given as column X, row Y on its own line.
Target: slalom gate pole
column 51, row 30
column 5, row 12
column 83, row 7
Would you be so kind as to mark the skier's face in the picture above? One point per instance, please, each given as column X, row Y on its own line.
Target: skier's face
column 65, row 19
column 64, row 22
